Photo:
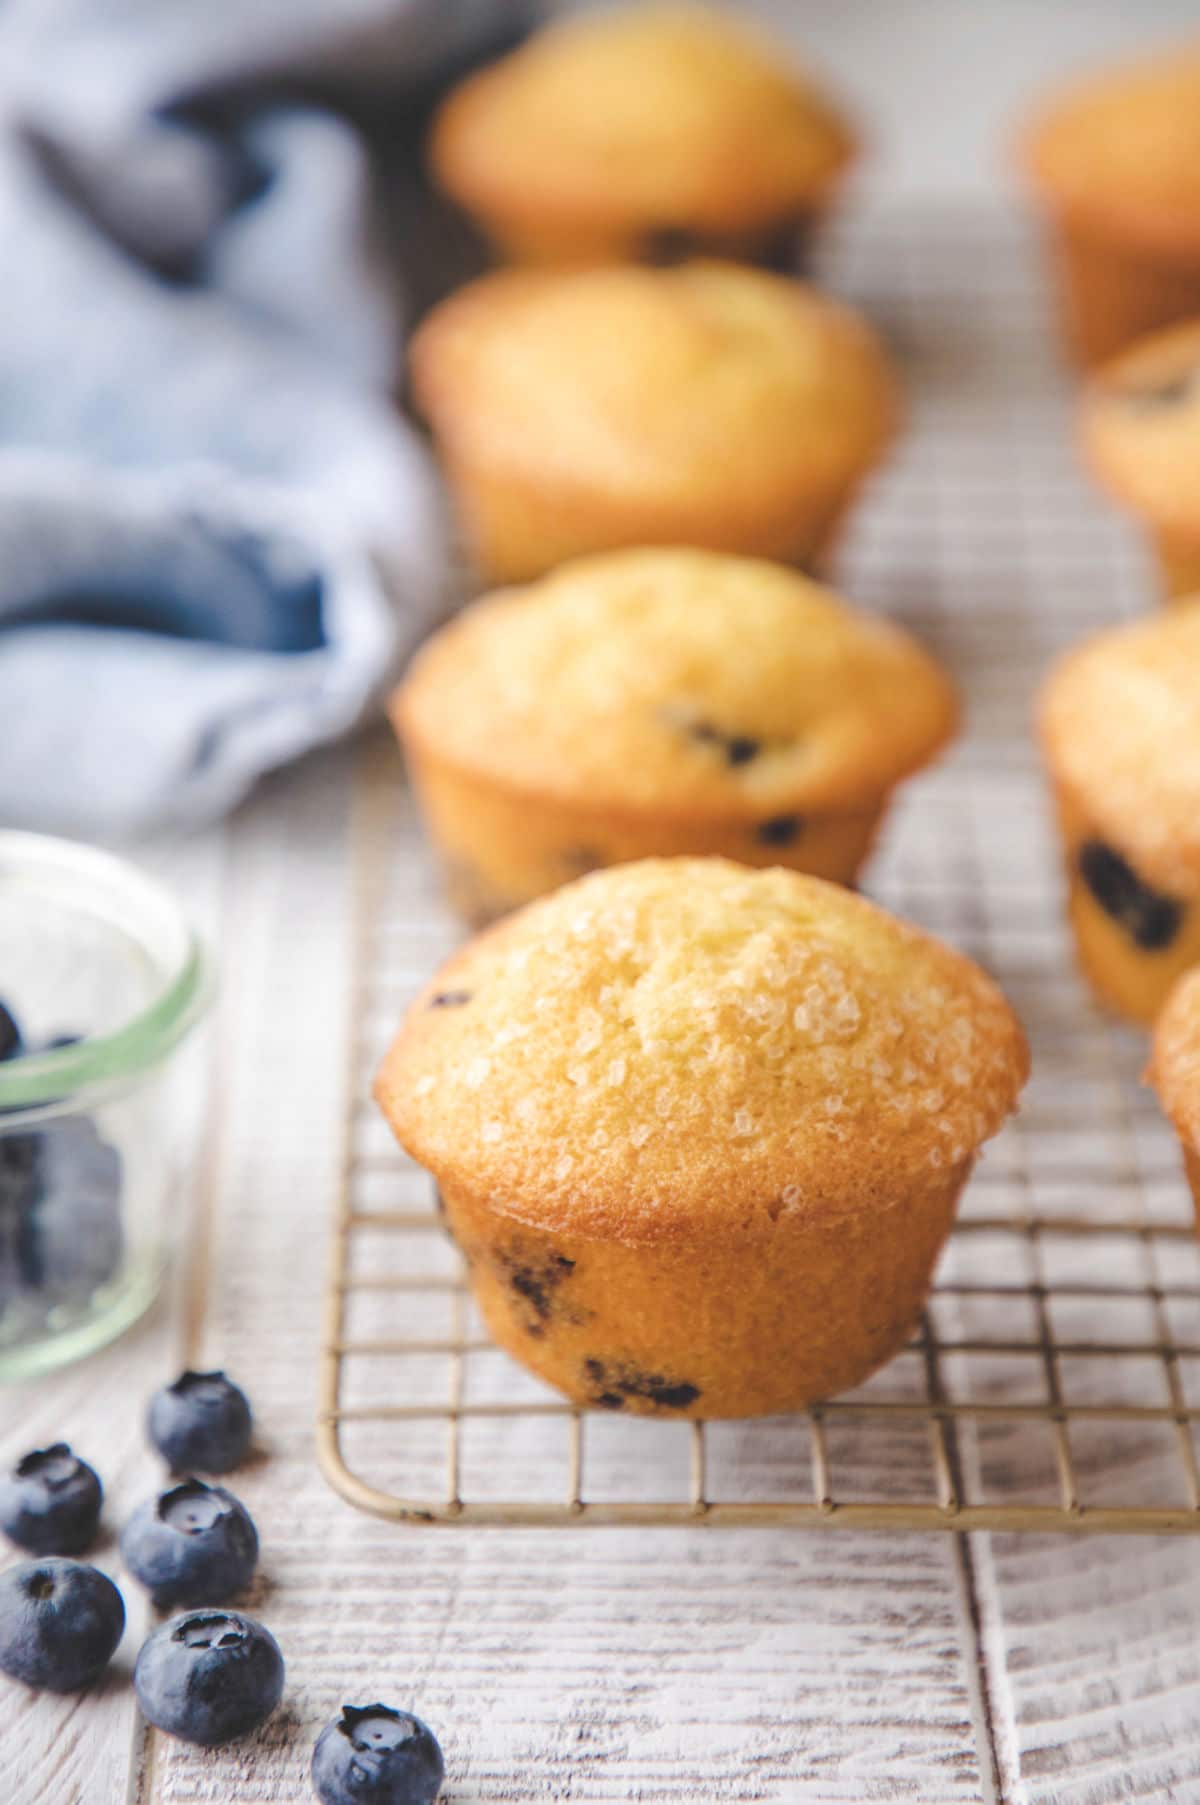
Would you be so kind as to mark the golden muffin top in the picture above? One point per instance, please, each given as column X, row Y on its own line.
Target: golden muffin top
column 1120, row 719
column 680, row 682
column 662, row 1044
column 1125, row 147
column 1175, row 1058
column 1141, row 426
column 651, row 117
column 706, row 384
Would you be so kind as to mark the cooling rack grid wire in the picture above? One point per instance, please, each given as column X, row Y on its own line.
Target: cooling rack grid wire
column 1055, row 1383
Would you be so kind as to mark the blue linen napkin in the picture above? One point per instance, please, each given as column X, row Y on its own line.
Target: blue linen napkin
column 217, row 538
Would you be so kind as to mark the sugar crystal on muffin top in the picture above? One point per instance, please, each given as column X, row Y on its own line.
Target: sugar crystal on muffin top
column 775, row 1032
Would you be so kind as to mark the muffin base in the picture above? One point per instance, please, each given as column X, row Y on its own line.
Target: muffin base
column 785, row 1307
column 516, row 531
column 499, row 848
column 1112, row 292
column 784, row 246
column 1178, row 558
column 1131, row 979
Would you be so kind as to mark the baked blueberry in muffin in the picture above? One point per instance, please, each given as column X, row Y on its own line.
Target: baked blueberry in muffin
column 1120, row 727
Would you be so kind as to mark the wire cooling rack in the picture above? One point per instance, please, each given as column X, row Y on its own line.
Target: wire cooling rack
column 1055, row 1383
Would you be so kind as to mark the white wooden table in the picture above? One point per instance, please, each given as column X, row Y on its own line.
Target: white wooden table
column 591, row 1665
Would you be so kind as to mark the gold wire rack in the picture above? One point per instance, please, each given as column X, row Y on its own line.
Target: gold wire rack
column 1055, row 1381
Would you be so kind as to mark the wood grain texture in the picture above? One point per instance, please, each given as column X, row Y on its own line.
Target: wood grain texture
column 1094, row 1652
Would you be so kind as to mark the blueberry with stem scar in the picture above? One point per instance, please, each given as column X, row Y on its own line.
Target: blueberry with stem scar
column 50, row 1502
column 373, row 1755
column 195, row 1544
column 201, row 1422
column 209, row 1677
column 60, row 1622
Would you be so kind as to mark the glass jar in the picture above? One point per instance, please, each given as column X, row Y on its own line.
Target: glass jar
column 103, row 978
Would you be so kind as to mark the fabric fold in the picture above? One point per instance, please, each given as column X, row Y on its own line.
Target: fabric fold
column 218, row 539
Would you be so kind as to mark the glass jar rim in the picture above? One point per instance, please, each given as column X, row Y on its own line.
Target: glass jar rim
column 39, row 1084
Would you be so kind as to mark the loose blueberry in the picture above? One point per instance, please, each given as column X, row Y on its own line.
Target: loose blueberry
column 19, row 1156
column 60, row 1622
column 71, row 1240
column 50, row 1502
column 200, row 1423
column 372, row 1755
column 10, row 1034
column 10, row 1263
column 209, row 1677
column 194, row 1544
column 61, row 1230
column 1151, row 919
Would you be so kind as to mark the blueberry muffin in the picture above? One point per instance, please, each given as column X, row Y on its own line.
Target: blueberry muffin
column 642, row 133
column 702, row 405
column 700, row 1130
column 1141, row 434
column 1115, row 165
column 1175, row 1071
column 661, row 701
column 1120, row 725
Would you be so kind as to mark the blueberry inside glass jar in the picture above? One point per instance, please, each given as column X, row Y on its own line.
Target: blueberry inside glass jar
column 101, row 981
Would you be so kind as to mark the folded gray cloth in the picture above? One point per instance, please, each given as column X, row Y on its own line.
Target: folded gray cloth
column 216, row 536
